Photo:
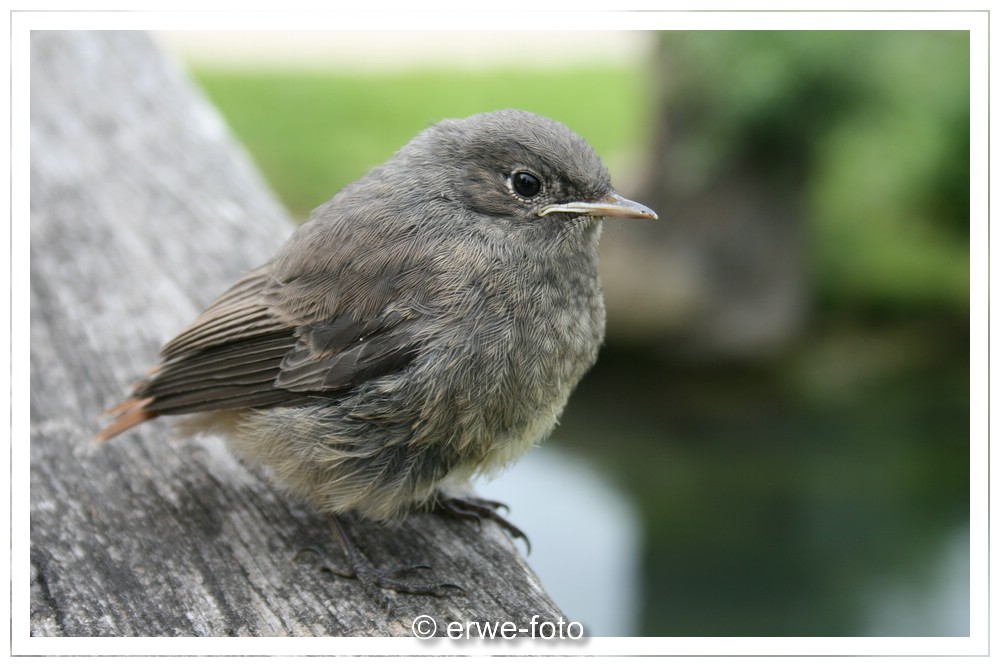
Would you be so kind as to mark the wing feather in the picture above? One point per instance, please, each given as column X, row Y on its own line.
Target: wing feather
column 244, row 351
column 304, row 326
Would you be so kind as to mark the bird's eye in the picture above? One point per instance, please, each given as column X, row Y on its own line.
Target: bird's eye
column 525, row 184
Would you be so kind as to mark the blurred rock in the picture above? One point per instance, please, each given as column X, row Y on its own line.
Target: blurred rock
column 722, row 274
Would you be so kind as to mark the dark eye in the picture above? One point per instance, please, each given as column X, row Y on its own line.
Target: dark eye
column 525, row 184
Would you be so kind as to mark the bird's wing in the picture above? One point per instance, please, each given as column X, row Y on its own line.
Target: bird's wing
column 249, row 351
column 344, row 352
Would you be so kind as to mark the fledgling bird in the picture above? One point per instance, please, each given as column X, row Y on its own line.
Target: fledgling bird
column 427, row 324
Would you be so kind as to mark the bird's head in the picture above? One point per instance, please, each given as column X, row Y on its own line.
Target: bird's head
column 522, row 167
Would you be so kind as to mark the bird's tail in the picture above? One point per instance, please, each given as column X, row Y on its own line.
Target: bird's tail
column 126, row 414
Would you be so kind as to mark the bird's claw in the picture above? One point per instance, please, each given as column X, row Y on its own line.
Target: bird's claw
column 469, row 508
column 376, row 580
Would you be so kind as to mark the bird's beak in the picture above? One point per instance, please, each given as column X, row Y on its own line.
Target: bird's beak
column 610, row 206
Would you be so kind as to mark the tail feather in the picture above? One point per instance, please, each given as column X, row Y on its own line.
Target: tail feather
column 127, row 414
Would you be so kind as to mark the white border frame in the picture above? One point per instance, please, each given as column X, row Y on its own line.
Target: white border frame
column 928, row 16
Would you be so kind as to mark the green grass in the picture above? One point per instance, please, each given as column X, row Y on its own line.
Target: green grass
column 311, row 133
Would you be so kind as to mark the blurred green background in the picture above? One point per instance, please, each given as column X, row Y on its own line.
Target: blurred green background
column 796, row 469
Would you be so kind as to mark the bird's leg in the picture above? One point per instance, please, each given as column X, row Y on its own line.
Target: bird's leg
column 470, row 507
column 376, row 579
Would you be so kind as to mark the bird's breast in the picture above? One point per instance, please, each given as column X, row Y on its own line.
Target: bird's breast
column 519, row 336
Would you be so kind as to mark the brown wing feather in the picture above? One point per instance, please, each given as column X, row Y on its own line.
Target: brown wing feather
column 247, row 351
column 241, row 312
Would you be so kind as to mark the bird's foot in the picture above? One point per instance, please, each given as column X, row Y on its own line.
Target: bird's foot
column 375, row 580
column 470, row 507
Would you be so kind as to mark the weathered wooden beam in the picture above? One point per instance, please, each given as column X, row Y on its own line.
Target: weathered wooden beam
column 143, row 209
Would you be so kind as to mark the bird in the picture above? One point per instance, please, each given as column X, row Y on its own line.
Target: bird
column 424, row 326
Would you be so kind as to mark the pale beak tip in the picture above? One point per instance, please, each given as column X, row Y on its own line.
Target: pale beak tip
column 626, row 208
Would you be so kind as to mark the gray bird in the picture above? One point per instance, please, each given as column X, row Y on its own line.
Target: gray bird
column 427, row 324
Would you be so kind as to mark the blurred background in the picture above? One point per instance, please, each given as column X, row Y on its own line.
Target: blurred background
column 775, row 440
